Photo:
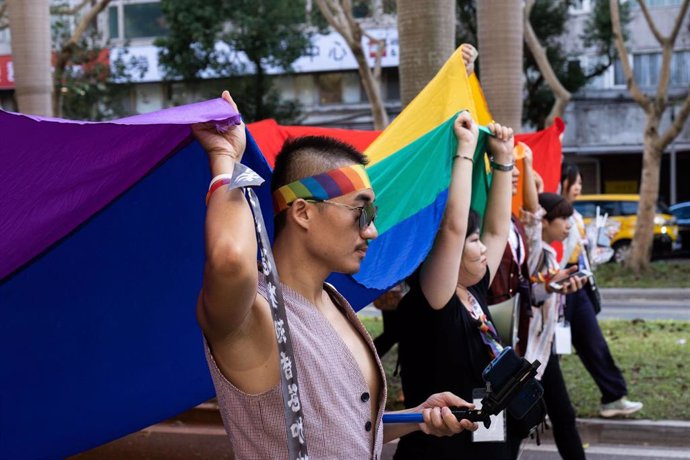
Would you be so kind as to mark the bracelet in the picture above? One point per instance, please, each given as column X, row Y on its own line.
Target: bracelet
column 502, row 167
column 464, row 157
column 216, row 183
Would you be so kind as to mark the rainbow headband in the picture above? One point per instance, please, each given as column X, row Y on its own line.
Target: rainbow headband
column 330, row 184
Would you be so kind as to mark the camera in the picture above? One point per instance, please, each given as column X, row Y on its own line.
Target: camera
column 510, row 384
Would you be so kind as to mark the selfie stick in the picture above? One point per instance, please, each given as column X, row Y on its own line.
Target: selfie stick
column 492, row 403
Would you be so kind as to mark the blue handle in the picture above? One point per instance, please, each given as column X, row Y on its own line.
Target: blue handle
column 403, row 418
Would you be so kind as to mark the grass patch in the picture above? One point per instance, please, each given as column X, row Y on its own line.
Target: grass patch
column 661, row 274
column 651, row 354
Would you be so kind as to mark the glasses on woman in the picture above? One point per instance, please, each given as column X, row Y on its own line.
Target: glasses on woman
column 367, row 213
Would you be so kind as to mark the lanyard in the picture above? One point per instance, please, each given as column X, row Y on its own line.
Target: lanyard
column 244, row 177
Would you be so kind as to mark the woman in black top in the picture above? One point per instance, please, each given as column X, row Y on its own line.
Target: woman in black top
column 446, row 335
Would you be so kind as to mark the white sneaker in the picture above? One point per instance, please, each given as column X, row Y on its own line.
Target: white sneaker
column 618, row 408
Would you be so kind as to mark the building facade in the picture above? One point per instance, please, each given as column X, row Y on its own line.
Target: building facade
column 604, row 125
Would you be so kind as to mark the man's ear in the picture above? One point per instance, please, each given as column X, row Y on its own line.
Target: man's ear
column 301, row 213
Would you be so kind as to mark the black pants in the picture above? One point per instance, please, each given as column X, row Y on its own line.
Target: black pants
column 561, row 412
column 591, row 347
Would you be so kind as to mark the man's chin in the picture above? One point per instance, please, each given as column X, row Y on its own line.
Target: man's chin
column 350, row 269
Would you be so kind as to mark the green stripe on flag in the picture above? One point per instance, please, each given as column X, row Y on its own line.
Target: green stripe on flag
column 410, row 179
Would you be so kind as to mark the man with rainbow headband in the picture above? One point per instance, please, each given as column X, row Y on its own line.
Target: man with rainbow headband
column 324, row 219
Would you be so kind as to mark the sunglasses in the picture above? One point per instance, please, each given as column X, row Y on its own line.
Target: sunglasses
column 367, row 213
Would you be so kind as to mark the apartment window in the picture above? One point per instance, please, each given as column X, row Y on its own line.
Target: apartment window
column 680, row 68
column 144, row 20
column 113, row 22
column 646, row 68
column 392, row 84
column 135, row 20
column 618, row 75
column 330, row 87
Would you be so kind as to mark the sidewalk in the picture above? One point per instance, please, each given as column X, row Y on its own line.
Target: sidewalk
column 199, row 433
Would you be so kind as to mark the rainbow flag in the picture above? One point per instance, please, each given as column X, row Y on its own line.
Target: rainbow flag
column 102, row 258
column 410, row 170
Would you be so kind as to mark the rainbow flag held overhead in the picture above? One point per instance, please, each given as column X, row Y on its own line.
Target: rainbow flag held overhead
column 410, row 171
column 102, row 258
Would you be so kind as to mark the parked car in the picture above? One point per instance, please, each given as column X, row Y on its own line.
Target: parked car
column 623, row 209
column 681, row 211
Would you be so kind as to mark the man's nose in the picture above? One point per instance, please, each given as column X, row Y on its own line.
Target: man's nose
column 370, row 232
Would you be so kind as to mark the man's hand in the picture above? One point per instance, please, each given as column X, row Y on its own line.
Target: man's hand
column 501, row 143
column 469, row 55
column 466, row 132
column 439, row 420
column 218, row 144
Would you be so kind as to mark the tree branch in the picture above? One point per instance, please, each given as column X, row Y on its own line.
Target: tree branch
column 333, row 13
column 528, row 8
column 634, row 89
column 3, row 8
column 65, row 10
column 664, row 76
column 679, row 21
column 677, row 125
column 545, row 68
column 650, row 22
column 84, row 23
column 667, row 56
column 338, row 14
column 380, row 48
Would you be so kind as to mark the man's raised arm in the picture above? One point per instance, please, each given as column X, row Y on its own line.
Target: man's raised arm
column 230, row 271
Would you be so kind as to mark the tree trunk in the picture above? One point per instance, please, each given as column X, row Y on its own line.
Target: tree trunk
column 338, row 14
column 372, row 87
column 500, row 34
column 30, row 29
column 641, row 249
column 426, row 31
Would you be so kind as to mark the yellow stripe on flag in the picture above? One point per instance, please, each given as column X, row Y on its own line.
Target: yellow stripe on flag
column 483, row 116
column 446, row 94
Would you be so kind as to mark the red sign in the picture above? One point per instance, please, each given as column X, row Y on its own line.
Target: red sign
column 6, row 72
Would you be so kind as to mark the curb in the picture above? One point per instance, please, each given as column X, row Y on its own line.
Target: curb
column 670, row 433
column 677, row 294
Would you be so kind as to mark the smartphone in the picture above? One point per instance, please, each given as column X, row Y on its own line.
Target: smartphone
column 503, row 366
column 557, row 286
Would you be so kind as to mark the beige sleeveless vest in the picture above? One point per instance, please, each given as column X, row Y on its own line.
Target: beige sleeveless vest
column 335, row 396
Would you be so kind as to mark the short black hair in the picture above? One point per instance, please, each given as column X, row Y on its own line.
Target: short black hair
column 307, row 156
column 555, row 206
column 569, row 173
column 474, row 221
